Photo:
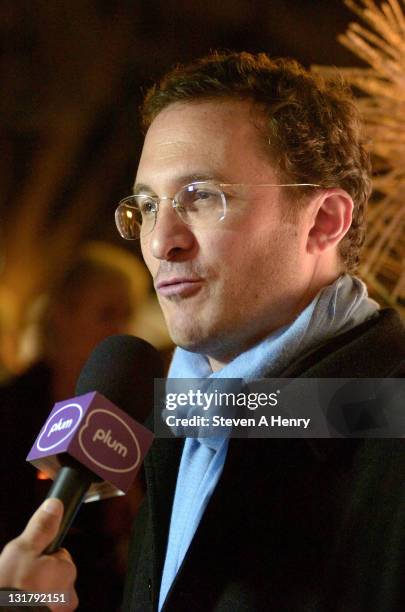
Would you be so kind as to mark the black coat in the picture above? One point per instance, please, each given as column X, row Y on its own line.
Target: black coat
column 294, row 525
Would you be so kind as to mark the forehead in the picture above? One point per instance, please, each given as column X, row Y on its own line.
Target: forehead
column 221, row 139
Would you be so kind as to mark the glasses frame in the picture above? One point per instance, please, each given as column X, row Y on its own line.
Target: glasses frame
column 176, row 205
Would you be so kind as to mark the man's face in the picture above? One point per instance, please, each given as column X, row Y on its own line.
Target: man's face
column 226, row 287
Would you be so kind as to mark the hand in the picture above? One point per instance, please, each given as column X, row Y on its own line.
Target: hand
column 24, row 566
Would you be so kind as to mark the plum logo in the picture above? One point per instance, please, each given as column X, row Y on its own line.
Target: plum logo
column 61, row 425
column 109, row 442
column 105, row 437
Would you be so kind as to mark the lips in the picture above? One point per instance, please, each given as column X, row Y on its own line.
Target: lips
column 178, row 286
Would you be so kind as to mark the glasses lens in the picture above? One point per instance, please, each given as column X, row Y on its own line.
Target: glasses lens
column 135, row 216
column 126, row 221
column 201, row 204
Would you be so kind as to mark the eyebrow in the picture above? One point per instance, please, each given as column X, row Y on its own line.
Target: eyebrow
column 181, row 181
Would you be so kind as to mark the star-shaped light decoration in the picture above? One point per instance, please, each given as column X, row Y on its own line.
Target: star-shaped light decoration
column 380, row 90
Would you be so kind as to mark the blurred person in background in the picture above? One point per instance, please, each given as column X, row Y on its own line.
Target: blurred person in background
column 96, row 297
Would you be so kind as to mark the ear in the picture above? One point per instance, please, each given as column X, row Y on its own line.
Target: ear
column 331, row 222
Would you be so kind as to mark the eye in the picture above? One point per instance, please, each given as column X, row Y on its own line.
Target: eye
column 203, row 194
column 147, row 206
column 195, row 196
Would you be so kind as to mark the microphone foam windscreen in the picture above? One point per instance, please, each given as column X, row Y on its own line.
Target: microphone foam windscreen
column 122, row 368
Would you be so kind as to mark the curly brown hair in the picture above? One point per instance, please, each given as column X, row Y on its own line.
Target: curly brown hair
column 312, row 127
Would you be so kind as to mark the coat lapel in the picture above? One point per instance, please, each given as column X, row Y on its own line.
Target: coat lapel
column 161, row 467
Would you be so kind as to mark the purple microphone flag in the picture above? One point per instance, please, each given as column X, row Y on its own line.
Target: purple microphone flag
column 100, row 436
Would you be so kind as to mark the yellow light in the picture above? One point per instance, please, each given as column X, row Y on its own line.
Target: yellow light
column 129, row 214
column 42, row 475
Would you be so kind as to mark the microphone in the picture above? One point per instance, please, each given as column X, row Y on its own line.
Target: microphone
column 91, row 445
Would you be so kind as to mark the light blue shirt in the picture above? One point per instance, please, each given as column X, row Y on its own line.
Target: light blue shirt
column 200, row 468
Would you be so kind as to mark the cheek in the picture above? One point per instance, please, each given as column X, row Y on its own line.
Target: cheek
column 259, row 259
column 151, row 262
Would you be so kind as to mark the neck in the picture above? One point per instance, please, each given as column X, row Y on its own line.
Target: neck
column 218, row 361
column 217, row 365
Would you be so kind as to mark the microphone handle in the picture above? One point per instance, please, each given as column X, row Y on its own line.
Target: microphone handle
column 70, row 486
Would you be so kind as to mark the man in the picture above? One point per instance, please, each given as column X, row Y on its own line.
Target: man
column 249, row 203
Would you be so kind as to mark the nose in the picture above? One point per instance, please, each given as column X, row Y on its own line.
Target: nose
column 170, row 238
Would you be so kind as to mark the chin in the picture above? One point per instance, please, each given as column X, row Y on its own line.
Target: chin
column 192, row 344
column 205, row 344
column 192, row 340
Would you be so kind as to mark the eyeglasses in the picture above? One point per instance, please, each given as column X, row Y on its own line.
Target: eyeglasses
column 200, row 204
